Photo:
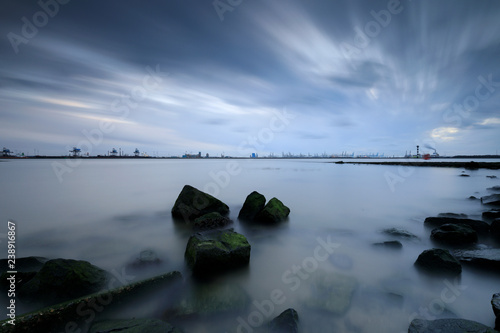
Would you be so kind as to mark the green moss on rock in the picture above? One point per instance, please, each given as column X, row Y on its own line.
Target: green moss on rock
column 254, row 203
column 193, row 203
column 274, row 211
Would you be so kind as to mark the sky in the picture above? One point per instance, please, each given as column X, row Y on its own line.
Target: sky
column 236, row 77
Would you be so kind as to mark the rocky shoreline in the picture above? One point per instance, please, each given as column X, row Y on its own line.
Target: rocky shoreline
column 63, row 288
column 467, row 165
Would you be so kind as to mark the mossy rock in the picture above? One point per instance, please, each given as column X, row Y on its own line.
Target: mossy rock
column 193, row 203
column 26, row 264
column 438, row 262
column 286, row 322
column 217, row 250
column 133, row 326
column 254, row 203
column 211, row 221
column 273, row 212
column 64, row 279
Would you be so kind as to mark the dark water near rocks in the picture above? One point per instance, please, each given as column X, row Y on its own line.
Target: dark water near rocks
column 108, row 211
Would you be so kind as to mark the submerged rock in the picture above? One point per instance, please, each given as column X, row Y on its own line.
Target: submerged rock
column 274, row 211
column 454, row 215
column 210, row 299
column 488, row 259
column 438, row 261
column 64, row 279
column 495, row 229
column 133, row 326
column 389, row 244
column 146, row 258
column 491, row 214
column 493, row 200
column 480, row 227
column 330, row 292
column 193, row 203
column 254, row 203
column 454, row 234
column 448, row 326
column 400, row 233
column 286, row 322
column 494, row 188
column 217, row 250
column 211, row 221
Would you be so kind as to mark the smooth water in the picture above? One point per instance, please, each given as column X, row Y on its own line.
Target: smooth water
column 108, row 211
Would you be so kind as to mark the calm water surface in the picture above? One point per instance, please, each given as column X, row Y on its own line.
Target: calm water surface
column 108, row 211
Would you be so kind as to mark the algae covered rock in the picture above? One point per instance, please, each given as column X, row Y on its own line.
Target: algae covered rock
column 217, row 250
column 448, row 326
column 273, row 212
column 438, row 261
column 211, row 221
column 286, row 322
column 454, row 234
column 64, row 279
column 254, row 203
column 193, row 203
column 133, row 326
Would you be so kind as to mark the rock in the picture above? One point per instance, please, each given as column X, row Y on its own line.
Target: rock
column 495, row 303
column 254, row 203
column 211, row 221
column 494, row 188
column 480, row 227
column 492, row 200
column 27, row 264
column 339, row 162
column 488, row 259
column 400, row 233
column 390, row 244
column 495, row 229
column 438, row 261
column 193, row 203
column 133, row 326
column 454, row 215
column 491, row 214
column 146, row 258
column 492, row 177
column 473, row 198
column 464, row 175
column 286, row 322
column 21, row 279
column 216, row 250
column 64, row 279
column 329, row 291
column 273, row 212
column 210, row 299
column 454, row 234
column 448, row 326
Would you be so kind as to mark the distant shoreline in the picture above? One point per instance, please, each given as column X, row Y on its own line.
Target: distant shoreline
column 467, row 165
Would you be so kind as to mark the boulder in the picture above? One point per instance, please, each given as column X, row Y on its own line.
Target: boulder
column 473, row 198
column 193, row 203
column 211, row 221
column 494, row 188
column 210, row 299
column 464, row 175
column 390, row 244
column 448, row 326
column 480, row 227
column 438, row 261
column 328, row 291
column 495, row 303
column 133, row 326
column 399, row 233
column 488, row 259
column 454, row 234
column 491, row 214
column 286, row 322
column 492, row 177
column 454, row 215
column 146, row 258
column 64, row 279
column 495, row 229
column 26, row 264
column 492, row 200
column 273, row 212
column 216, row 250
column 254, row 203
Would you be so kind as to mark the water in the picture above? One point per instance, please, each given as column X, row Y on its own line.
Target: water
column 108, row 211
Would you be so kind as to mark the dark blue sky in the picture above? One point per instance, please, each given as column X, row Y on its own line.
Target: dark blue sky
column 237, row 77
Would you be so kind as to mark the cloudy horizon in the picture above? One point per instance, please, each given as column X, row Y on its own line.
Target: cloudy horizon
column 243, row 76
